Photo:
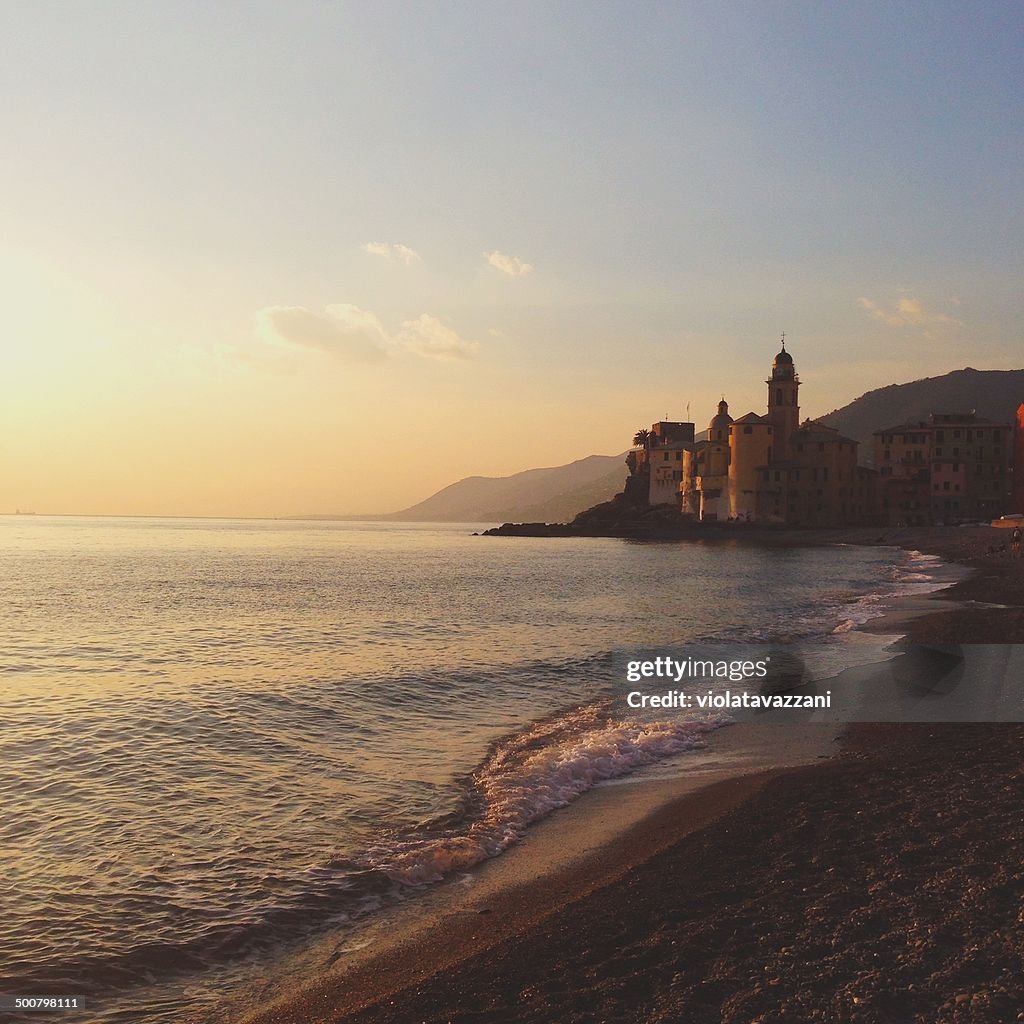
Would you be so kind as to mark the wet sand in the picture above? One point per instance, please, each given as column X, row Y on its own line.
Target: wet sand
column 882, row 885
column 561, row 860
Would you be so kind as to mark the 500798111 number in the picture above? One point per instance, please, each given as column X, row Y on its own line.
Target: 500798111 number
column 41, row 1003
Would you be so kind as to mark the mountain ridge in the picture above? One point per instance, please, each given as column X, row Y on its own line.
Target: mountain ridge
column 532, row 494
column 991, row 394
column 558, row 493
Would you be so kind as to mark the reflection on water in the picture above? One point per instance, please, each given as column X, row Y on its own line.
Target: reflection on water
column 221, row 734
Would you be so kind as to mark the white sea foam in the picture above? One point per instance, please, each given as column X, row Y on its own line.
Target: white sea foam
column 534, row 773
column 916, row 576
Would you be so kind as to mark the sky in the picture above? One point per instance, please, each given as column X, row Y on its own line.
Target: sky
column 271, row 259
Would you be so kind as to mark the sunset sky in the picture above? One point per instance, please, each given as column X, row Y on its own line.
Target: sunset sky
column 268, row 259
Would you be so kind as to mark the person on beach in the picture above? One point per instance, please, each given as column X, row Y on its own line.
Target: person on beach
column 1015, row 543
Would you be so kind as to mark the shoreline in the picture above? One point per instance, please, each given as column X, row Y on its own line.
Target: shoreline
column 591, row 847
column 567, row 856
column 820, row 894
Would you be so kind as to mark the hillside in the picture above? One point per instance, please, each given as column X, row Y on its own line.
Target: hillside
column 994, row 394
column 555, row 493
column 558, row 493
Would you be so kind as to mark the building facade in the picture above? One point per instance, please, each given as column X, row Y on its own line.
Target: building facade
column 657, row 462
column 950, row 468
column 773, row 468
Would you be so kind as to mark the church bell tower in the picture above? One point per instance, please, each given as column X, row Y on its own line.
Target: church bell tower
column 783, row 402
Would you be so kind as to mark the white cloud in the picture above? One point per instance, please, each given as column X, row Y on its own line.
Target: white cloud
column 345, row 331
column 390, row 251
column 908, row 312
column 356, row 335
column 427, row 336
column 511, row 265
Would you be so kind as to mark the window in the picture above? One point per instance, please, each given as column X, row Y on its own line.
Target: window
column 778, row 396
column 940, row 436
column 748, row 430
column 956, row 453
column 664, row 456
column 821, row 446
column 945, row 485
column 824, row 474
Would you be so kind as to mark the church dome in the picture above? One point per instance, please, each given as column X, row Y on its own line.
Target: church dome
column 722, row 419
column 782, row 366
column 718, row 428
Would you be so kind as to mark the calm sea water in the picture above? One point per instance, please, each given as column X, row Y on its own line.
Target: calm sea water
column 221, row 737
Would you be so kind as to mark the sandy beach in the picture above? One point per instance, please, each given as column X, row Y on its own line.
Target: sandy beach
column 870, row 877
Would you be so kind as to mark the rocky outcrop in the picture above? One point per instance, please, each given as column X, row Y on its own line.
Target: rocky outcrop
column 623, row 516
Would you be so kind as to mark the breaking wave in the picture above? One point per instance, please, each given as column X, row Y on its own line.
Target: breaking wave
column 914, row 575
column 531, row 774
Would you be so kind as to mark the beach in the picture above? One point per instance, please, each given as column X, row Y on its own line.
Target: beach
column 880, row 884
column 328, row 734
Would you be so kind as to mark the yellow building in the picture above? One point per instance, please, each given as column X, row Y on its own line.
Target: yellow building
column 750, row 449
column 772, row 468
column 705, row 487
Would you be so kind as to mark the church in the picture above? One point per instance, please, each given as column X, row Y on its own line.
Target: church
column 766, row 468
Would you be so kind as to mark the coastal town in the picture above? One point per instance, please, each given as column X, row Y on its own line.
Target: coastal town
column 771, row 468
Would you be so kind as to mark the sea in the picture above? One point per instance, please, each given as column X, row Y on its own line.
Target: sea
column 223, row 739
